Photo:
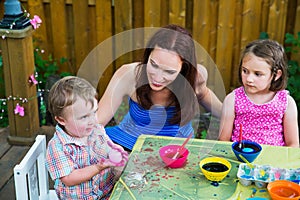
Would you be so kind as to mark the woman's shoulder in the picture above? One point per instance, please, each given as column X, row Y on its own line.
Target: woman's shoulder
column 202, row 71
column 127, row 72
column 124, row 79
column 129, row 67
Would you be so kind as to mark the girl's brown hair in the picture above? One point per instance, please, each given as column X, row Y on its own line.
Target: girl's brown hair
column 273, row 53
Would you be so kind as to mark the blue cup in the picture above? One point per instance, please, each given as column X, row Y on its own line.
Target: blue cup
column 247, row 145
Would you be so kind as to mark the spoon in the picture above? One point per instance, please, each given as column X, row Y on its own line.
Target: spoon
column 246, row 149
column 246, row 161
column 241, row 137
column 182, row 146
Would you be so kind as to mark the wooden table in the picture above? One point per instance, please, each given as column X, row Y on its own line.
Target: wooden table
column 146, row 177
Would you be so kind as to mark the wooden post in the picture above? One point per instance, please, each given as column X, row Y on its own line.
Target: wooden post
column 18, row 65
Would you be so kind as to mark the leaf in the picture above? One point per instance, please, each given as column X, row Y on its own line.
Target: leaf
column 263, row 35
column 63, row 60
column 289, row 38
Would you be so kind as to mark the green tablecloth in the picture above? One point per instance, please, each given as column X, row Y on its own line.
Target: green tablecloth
column 146, row 176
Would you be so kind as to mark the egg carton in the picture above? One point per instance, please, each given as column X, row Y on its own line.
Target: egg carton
column 261, row 175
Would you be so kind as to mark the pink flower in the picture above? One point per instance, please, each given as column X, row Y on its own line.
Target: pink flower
column 36, row 21
column 19, row 110
column 32, row 79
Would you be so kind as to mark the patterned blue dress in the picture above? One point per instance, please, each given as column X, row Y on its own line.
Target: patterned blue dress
column 151, row 122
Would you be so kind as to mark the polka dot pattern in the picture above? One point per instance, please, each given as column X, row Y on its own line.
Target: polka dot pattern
column 261, row 123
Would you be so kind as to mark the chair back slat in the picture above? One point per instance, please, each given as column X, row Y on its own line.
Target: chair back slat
column 31, row 175
column 33, row 182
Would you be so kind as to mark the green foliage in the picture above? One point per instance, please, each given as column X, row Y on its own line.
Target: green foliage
column 46, row 67
column 3, row 114
column 294, row 68
column 293, row 41
column 2, row 88
column 263, row 35
column 3, row 105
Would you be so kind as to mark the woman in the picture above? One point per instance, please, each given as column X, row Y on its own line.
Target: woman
column 163, row 89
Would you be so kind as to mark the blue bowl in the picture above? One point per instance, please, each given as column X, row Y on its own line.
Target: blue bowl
column 250, row 156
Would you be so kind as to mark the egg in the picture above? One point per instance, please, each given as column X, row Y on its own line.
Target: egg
column 115, row 156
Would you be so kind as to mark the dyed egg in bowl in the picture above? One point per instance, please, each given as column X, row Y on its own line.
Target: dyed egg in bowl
column 250, row 156
column 215, row 168
column 284, row 190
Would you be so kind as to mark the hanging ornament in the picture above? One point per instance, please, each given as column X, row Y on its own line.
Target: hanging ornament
column 19, row 110
column 32, row 80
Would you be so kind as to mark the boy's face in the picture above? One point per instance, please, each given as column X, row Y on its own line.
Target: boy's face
column 79, row 119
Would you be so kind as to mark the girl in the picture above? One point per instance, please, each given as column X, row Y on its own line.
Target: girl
column 262, row 108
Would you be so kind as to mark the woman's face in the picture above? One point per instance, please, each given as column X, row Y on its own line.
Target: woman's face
column 79, row 119
column 162, row 68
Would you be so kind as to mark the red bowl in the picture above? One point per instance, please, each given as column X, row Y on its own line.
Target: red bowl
column 284, row 190
column 167, row 152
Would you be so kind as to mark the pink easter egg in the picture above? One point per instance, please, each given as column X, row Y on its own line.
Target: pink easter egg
column 115, row 156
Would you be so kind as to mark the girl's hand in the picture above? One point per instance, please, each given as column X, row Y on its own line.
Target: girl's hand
column 117, row 155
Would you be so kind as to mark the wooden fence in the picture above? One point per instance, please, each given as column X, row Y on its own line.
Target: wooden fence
column 73, row 28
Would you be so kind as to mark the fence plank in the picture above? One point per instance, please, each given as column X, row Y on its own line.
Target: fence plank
column 201, row 22
column 164, row 12
column 138, row 22
column 225, row 40
column 277, row 20
column 296, row 56
column 152, row 13
column 265, row 8
column 123, row 22
column 177, row 12
column 81, row 31
column 251, row 15
column 202, row 29
column 103, row 20
column 104, row 32
column 35, row 7
column 92, row 35
column 59, row 32
column 2, row 8
column 236, row 45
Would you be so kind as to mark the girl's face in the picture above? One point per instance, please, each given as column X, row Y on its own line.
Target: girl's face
column 79, row 119
column 162, row 68
column 256, row 74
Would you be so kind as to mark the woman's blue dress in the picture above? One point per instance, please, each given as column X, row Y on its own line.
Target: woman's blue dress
column 151, row 122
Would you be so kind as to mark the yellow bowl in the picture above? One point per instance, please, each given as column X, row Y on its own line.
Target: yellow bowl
column 215, row 168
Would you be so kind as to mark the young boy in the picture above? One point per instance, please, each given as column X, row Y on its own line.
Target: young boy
column 78, row 154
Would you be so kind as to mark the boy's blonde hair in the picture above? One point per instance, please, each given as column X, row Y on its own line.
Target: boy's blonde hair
column 66, row 91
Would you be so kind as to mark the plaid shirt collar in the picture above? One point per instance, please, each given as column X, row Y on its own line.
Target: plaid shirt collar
column 67, row 139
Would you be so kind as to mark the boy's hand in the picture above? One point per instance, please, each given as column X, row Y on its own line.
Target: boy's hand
column 118, row 156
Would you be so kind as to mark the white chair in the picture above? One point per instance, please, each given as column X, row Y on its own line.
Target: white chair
column 31, row 175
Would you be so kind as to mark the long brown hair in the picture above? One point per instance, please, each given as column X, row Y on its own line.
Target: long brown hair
column 174, row 38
